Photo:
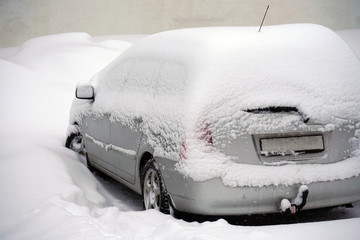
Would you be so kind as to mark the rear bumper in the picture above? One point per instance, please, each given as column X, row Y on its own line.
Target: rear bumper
column 212, row 197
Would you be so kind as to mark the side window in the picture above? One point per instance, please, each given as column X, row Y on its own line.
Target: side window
column 173, row 78
column 145, row 76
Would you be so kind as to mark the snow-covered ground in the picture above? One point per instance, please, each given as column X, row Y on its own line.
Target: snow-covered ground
column 46, row 191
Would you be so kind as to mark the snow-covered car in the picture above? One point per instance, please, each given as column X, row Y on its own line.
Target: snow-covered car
column 227, row 120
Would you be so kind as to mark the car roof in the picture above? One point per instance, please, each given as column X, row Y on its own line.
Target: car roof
column 306, row 66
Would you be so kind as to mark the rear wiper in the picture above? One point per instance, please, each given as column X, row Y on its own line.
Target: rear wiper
column 278, row 110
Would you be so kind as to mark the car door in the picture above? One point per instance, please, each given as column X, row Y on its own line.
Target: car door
column 125, row 140
column 97, row 141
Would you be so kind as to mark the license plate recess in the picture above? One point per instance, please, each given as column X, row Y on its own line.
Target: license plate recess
column 280, row 146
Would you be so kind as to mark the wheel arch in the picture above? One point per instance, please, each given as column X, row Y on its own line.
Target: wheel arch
column 145, row 157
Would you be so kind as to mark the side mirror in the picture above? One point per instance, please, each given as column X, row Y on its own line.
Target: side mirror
column 84, row 90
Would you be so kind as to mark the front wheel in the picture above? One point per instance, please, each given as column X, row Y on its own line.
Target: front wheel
column 153, row 188
column 75, row 142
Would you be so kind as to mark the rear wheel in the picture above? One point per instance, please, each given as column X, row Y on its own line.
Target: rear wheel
column 153, row 188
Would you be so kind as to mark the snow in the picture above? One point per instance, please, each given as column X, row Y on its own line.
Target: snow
column 46, row 190
column 108, row 147
column 299, row 198
column 234, row 175
column 284, row 205
column 131, row 38
column 302, row 72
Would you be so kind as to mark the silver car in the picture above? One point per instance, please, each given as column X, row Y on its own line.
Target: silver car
column 227, row 120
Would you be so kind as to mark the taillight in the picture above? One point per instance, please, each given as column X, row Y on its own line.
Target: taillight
column 206, row 134
column 183, row 150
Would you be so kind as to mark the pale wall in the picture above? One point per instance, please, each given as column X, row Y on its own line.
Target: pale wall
column 21, row 20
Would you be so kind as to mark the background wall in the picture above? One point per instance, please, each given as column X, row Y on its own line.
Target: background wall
column 21, row 20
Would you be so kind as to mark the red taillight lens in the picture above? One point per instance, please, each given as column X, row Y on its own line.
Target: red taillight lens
column 206, row 134
column 203, row 134
column 183, row 150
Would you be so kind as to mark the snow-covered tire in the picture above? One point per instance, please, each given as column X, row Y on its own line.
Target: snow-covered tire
column 154, row 194
column 74, row 142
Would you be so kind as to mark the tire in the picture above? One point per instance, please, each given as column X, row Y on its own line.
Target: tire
column 154, row 194
column 74, row 142
column 75, row 139
column 88, row 164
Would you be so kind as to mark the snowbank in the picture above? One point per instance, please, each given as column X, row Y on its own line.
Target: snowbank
column 38, row 81
column 32, row 77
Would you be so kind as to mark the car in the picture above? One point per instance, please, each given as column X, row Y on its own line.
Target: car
column 227, row 120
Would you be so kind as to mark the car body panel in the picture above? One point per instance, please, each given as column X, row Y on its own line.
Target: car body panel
column 125, row 143
column 97, row 138
column 212, row 197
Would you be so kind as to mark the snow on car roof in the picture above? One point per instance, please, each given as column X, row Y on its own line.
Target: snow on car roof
column 306, row 66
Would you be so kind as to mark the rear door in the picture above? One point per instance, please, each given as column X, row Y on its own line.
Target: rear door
column 125, row 140
column 97, row 140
